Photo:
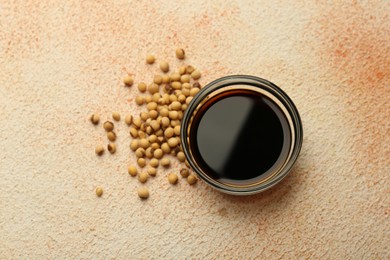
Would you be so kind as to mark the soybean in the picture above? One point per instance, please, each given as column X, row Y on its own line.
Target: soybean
column 148, row 98
column 137, row 122
column 140, row 152
column 173, row 115
column 165, row 162
column 144, row 143
column 141, row 162
column 143, row 177
column 149, row 152
column 94, row 119
column 111, row 147
column 180, row 54
column 188, row 99
column 153, row 88
column 134, row 145
column 173, row 142
column 154, row 162
column 196, row 85
column 158, row 153
column 164, row 112
column 144, row 116
column 155, row 145
column 155, row 125
column 165, row 121
column 128, row 119
column 191, row 179
column 168, row 133
column 108, row 126
column 175, row 105
column 152, row 138
column 185, row 78
column 139, row 100
column 184, row 172
column 152, row 171
column 156, row 97
column 116, row 116
column 176, row 130
column 157, row 79
column 166, row 79
column 132, row 170
column 151, row 106
column 175, row 76
column 128, row 80
column 176, row 85
column 150, row 59
column 172, row 178
column 99, row 150
column 153, row 114
column 99, row 191
column 133, row 132
column 172, row 98
column 182, row 70
column 164, row 66
column 142, row 87
column 194, row 91
column 195, row 75
column 141, row 134
column 166, row 148
column 189, row 69
column 143, row 192
column 181, row 98
column 180, row 156
column 111, row 136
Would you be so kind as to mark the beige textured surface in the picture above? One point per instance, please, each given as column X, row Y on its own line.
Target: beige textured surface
column 60, row 61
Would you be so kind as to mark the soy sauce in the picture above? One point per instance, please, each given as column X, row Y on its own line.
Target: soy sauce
column 239, row 136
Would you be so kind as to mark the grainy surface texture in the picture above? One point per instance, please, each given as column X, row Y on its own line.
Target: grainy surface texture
column 61, row 61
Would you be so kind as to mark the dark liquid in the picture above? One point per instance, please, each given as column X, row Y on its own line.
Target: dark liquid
column 239, row 136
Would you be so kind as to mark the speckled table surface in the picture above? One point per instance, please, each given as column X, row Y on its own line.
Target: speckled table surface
column 60, row 61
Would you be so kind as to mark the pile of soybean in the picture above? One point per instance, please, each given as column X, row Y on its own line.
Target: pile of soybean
column 155, row 132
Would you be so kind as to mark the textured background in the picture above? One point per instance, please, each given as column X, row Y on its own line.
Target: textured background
column 60, row 61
